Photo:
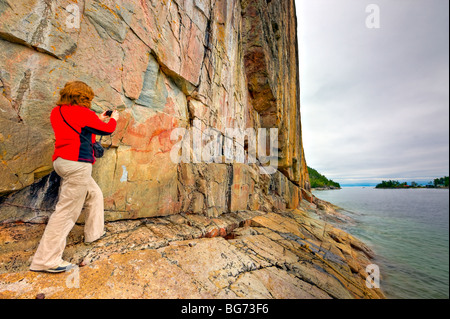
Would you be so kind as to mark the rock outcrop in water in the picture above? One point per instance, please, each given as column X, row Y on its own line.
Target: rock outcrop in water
column 204, row 66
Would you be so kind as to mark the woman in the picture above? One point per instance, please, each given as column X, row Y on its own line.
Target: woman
column 74, row 125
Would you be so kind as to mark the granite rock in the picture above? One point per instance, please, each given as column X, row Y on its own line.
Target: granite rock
column 166, row 66
column 250, row 254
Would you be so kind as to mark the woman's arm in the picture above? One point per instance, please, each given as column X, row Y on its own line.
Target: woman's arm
column 96, row 126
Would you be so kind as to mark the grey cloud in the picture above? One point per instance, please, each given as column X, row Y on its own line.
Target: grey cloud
column 374, row 103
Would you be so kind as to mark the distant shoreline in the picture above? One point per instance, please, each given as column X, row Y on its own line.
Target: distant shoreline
column 325, row 188
column 437, row 183
column 373, row 186
column 423, row 187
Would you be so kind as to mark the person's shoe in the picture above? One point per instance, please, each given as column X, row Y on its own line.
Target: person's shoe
column 64, row 266
column 101, row 237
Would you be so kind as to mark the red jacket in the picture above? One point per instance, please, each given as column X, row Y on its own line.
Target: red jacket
column 68, row 144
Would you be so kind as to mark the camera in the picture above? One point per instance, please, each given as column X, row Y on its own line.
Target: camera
column 109, row 113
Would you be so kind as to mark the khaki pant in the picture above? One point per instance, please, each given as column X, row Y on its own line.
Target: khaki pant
column 77, row 188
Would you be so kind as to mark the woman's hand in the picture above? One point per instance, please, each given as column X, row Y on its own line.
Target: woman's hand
column 103, row 116
column 115, row 115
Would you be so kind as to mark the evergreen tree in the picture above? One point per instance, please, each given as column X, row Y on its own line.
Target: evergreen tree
column 317, row 180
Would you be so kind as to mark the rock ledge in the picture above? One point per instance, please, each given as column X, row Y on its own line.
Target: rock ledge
column 250, row 254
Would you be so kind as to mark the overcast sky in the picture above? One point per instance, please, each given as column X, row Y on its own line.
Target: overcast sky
column 375, row 101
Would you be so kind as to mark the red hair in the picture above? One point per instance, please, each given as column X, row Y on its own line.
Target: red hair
column 76, row 93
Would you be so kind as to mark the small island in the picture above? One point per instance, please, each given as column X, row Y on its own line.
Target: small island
column 441, row 182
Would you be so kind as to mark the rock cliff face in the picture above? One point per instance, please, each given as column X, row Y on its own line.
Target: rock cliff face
column 183, row 73
column 202, row 65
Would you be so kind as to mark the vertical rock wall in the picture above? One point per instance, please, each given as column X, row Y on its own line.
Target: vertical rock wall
column 200, row 65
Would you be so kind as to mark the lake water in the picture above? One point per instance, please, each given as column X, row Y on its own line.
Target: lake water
column 408, row 230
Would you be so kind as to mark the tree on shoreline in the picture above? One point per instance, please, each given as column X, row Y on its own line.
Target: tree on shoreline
column 443, row 181
column 391, row 184
column 317, row 180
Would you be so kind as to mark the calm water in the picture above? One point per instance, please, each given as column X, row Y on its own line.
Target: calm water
column 408, row 230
